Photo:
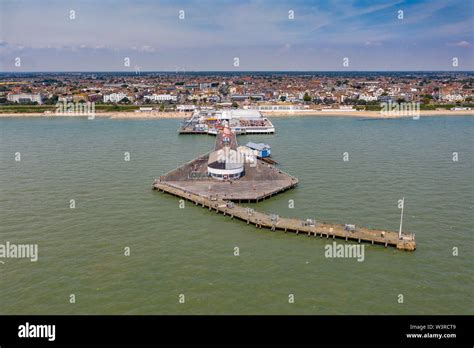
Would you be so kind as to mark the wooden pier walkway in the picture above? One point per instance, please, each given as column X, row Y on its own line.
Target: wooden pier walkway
column 274, row 222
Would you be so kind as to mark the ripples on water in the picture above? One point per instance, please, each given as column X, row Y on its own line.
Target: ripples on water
column 190, row 251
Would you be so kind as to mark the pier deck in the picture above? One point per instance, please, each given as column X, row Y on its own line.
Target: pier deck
column 253, row 187
column 321, row 229
column 259, row 182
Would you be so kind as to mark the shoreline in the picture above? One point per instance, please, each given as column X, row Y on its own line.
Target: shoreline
column 367, row 114
column 271, row 114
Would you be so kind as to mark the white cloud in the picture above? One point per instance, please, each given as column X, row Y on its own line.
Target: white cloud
column 373, row 43
column 463, row 44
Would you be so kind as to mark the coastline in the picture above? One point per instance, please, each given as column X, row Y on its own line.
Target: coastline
column 367, row 114
column 271, row 114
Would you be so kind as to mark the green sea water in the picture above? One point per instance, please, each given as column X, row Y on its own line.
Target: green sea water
column 190, row 251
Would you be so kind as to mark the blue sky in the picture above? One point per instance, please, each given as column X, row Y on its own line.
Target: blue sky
column 212, row 33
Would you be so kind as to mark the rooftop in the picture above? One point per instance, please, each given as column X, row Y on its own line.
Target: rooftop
column 258, row 146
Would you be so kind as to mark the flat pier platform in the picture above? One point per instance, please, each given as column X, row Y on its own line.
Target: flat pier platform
column 272, row 222
column 260, row 181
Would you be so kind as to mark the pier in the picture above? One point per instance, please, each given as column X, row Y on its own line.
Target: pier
column 274, row 222
column 221, row 180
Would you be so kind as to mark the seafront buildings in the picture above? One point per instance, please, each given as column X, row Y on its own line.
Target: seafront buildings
column 252, row 90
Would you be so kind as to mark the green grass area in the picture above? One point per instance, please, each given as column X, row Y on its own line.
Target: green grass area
column 428, row 107
column 116, row 107
column 445, row 106
column 373, row 107
column 14, row 109
column 422, row 106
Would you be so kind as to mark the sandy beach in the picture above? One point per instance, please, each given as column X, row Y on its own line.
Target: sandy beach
column 183, row 115
column 111, row 115
column 367, row 114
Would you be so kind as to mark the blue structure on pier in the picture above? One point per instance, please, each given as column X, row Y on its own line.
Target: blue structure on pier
column 263, row 150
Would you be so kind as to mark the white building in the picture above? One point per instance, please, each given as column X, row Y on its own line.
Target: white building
column 225, row 163
column 25, row 97
column 184, row 108
column 65, row 99
column 453, row 97
column 114, row 97
column 239, row 114
column 460, row 108
column 161, row 97
column 367, row 97
column 144, row 109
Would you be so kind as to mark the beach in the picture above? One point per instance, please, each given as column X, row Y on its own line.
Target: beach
column 367, row 114
column 111, row 115
column 298, row 113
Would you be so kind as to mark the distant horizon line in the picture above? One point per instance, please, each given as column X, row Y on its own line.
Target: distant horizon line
column 237, row 71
